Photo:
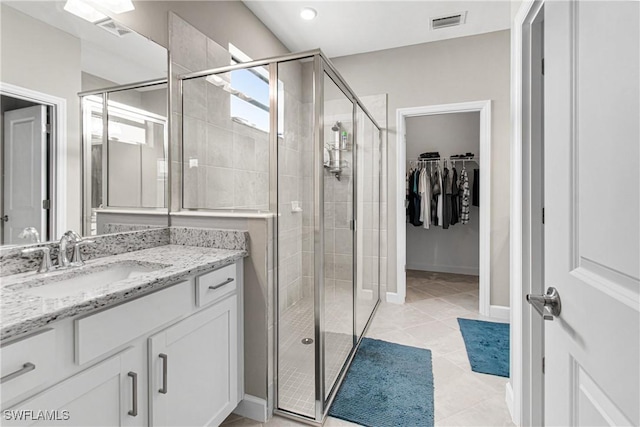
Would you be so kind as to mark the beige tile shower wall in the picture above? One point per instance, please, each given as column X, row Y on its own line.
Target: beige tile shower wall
column 338, row 201
column 225, row 163
column 307, row 199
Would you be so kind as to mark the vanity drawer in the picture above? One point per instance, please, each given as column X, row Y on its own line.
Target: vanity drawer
column 27, row 363
column 216, row 284
column 99, row 333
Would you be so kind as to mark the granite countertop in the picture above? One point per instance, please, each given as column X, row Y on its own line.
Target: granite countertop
column 22, row 311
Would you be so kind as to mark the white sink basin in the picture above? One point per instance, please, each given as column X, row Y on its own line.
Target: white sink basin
column 87, row 282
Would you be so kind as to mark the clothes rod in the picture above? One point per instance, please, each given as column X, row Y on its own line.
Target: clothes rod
column 445, row 160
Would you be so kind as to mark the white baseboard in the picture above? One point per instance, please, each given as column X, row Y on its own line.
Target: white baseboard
column 472, row 271
column 395, row 298
column 509, row 399
column 252, row 407
column 500, row 312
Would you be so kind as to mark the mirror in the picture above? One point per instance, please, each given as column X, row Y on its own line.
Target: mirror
column 83, row 125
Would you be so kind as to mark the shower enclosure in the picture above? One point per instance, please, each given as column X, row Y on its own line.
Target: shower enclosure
column 287, row 135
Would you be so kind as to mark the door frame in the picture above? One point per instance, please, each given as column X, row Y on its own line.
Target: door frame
column 523, row 377
column 58, row 173
column 484, row 108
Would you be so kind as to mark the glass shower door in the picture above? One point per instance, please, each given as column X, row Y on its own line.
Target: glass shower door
column 338, row 233
column 368, row 219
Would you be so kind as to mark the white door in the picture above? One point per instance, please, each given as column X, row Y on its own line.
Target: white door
column 193, row 368
column 102, row 395
column 592, row 234
column 25, row 172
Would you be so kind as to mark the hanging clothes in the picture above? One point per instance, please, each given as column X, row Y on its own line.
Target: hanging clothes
column 455, row 206
column 476, row 187
column 446, row 199
column 406, row 196
column 435, row 193
column 464, row 198
column 410, row 199
column 440, row 197
column 415, row 198
column 424, row 188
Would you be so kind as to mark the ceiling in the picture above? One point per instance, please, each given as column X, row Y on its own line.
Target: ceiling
column 350, row 27
column 122, row 60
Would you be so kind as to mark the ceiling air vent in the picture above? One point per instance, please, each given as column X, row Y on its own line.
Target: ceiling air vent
column 113, row 27
column 448, row 20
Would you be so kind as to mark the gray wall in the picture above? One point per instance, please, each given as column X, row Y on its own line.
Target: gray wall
column 456, row 249
column 40, row 57
column 450, row 71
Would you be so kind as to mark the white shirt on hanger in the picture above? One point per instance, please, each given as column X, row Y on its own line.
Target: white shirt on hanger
column 424, row 189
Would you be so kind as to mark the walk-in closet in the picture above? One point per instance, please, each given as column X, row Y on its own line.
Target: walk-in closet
column 443, row 193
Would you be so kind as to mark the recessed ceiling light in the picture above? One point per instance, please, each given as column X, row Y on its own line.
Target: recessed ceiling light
column 308, row 13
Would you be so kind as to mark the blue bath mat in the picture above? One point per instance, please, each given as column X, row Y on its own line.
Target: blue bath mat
column 387, row 385
column 487, row 346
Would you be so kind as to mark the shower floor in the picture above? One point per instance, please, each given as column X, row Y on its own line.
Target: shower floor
column 296, row 370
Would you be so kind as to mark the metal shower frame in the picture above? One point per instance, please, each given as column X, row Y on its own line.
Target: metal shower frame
column 321, row 66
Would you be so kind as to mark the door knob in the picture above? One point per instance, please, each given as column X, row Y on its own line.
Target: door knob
column 548, row 305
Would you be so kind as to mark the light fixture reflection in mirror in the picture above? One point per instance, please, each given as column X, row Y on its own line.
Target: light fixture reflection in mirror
column 90, row 10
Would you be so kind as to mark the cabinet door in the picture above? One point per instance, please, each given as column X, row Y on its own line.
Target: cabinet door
column 193, row 365
column 99, row 396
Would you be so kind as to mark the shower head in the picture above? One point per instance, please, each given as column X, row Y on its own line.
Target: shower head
column 336, row 127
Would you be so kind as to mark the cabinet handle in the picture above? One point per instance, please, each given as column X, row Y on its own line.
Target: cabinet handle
column 134, row 410
column 165, row 364
column 213, row 288
column 27, row 367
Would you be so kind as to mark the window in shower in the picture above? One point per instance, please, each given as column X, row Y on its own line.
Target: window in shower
column 251, row 104
column 226, row 158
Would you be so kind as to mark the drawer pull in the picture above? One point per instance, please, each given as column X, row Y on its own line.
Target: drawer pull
column 214, row 287
column 134, row 410
column 27, row 367
column 165, row 363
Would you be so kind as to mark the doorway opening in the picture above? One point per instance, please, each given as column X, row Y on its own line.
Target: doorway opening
column 25, row 140
column 461, row 155
column 443, row 209
column 33, row 203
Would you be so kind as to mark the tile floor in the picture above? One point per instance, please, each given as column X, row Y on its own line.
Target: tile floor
column 297, row 369
column 428, row 319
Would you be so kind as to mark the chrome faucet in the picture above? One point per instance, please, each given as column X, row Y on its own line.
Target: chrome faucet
column 45, row 263
column 68, row 238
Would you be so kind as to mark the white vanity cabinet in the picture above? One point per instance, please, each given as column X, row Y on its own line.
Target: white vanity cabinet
column 104, row 395
column 170, row 358
column 194, row 368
